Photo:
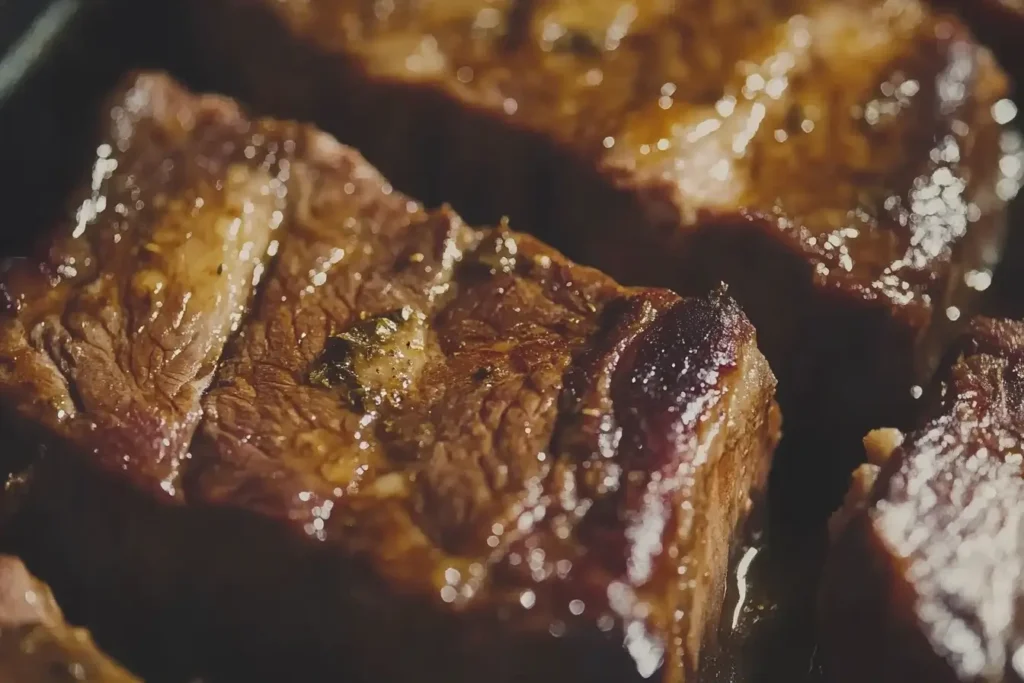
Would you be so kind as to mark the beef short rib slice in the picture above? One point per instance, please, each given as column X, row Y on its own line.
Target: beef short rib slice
column 836, row 162
column 429, row 451
column 924, row 578
column 113, row 328
column 36, row 644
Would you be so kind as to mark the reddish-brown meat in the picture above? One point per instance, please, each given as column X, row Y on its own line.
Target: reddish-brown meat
column 924, row 580
column 836, row 162
column 429, row 452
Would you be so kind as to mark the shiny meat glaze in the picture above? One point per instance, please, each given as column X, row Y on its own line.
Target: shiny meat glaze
column 850, row 153
column 426, row 448
column 926, row 573
column 36, row 645
column 112, row 331
column 861, row 130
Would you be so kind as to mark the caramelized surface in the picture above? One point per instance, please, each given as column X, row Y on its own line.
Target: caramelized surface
column 862, row 131
column 113, row 328
column 517, row 456
column 936, row 546
column 493, row 428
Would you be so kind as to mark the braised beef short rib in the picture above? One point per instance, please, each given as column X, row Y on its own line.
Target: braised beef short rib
column 924, row 579
column 837, row 163
column 279, row 420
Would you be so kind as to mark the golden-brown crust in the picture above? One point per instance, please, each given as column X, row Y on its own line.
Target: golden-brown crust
column 113, row 327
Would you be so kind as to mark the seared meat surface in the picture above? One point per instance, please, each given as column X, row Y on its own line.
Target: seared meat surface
column 114, row 328
column 36, row 645
column 838, row 163
column 426, row 451
column 924, row 579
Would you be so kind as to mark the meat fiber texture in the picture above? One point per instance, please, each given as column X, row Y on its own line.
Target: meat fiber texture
column 924, row 579
column 279, row 422
column 36, row 644
column 837, row 163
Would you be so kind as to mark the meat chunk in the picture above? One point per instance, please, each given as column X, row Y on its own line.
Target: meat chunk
column 924, row 579
column 36, row 645
column 429, row 451
column 113, row 329
column 837, row 163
